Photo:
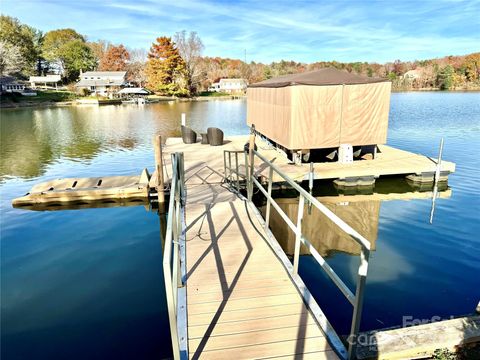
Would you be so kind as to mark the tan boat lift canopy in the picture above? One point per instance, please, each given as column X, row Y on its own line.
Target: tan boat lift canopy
column 320, row 109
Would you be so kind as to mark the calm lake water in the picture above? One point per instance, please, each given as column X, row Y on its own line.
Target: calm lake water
column 88, row 283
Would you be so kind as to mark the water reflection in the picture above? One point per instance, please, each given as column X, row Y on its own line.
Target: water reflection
column 358, row 207
column 32, row 139
column 99, row 294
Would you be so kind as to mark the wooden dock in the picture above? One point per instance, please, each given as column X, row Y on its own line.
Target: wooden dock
column 241, row 301
column 201, row 159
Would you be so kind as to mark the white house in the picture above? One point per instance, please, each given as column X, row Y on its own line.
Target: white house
column 102, row 82
column 233, row 85
column 229, row 86
column 52, row 80
column 412, row 74
column 214, row 87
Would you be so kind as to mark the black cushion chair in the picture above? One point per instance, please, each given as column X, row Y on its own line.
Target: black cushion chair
column 215, row 136
column 188, row 135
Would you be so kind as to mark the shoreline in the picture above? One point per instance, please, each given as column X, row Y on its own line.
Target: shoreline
column 28, row 104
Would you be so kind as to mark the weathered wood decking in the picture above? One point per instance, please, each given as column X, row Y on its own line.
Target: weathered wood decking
column 241, row 302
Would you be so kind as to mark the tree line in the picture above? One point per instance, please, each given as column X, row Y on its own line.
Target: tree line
column 176, row 65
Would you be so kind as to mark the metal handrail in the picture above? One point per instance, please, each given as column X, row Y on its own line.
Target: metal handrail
column 233, row 176
column 355, row 299
column 174, row 266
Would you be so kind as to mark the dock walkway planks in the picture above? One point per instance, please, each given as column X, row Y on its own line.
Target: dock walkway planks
column 241, row 302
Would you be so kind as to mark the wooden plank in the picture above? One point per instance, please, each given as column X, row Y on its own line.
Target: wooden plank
column 257, row 338
column 198, row 298
column 283, row 348
column 250, row 303
column 216, row 287
column 305, row 356
column 302, row 319
column 247, row 314
column 247, row 276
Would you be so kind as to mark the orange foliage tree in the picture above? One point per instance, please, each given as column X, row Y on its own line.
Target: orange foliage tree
column 115, row 59
column 165, row 69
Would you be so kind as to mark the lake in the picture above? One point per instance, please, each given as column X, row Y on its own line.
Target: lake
column 89, row 283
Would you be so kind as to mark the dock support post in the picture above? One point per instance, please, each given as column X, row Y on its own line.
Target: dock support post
column 184, row 119
column 251, row 147
column 159, row 168
column 437, row 178
column 310, row 187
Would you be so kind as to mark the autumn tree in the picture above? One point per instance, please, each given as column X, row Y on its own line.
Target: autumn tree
column 99, row 48
column 115, row 59
column 472, row 66
column 190, row 48
column 165, row 69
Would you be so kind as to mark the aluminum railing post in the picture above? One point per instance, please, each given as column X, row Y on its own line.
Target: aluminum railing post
column 358, row 305
column 181, row 175
column 230, row 168
column 236, row 169
column 251, row 148
column 298, row 235
column 225, row 165
column 269, row 198
column 246, row 170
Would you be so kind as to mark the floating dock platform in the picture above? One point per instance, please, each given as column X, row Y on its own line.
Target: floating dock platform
column 78, row 190
column 389, row 161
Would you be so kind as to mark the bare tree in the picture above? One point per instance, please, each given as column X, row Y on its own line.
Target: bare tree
column 190, row 48
column 136, row 66
column 11, row 59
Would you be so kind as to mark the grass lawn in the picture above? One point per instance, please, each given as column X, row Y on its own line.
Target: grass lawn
column 213, row 94
column 42, row 96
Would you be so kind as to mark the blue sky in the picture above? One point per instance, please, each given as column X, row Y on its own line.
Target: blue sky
column 305, row 31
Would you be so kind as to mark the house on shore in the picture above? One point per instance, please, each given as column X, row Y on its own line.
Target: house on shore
column 9, row 84
column 103, row 83
column 46, row 82
column 231, row 86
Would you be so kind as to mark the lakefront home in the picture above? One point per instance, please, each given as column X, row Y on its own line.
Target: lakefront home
column 9, row 84
column 102, row 82
column 232, row 86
